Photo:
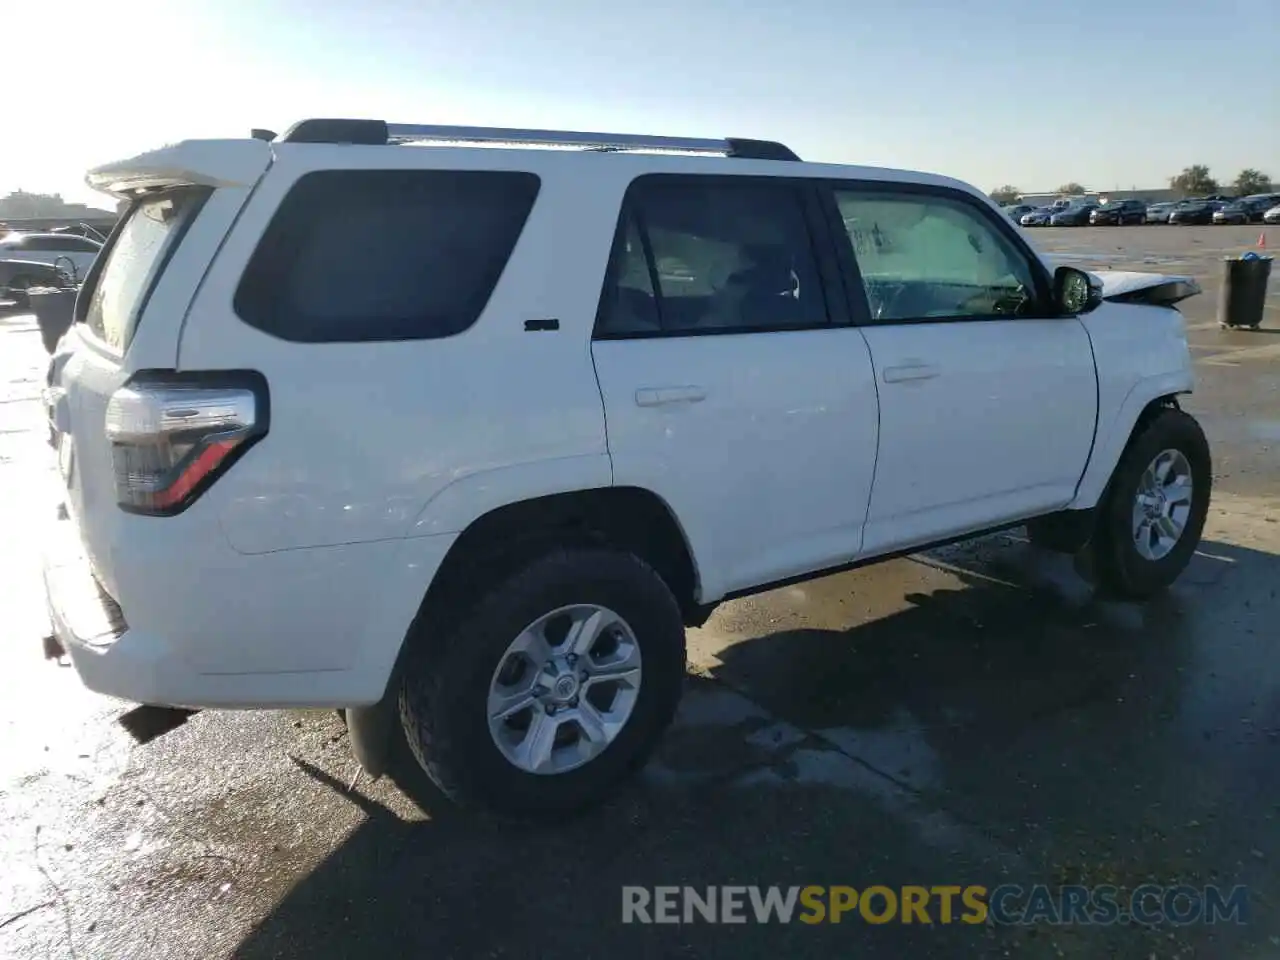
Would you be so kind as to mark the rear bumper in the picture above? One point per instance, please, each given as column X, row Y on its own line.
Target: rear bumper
column 299, row 628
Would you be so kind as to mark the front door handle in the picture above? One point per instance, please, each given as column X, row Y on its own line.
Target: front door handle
column 661, row 396
column 910, row 371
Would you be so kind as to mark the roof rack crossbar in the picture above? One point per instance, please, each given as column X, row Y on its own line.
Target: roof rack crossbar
column 376, row 132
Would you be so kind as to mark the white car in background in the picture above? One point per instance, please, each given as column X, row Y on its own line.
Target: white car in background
column 61, row 249
column 1272, row 215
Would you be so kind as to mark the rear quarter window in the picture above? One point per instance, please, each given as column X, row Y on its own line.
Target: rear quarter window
column 366, row 255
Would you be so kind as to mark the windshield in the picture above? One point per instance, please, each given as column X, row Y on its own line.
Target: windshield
column 134, row 260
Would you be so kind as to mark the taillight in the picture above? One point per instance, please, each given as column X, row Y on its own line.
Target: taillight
column 171, row 438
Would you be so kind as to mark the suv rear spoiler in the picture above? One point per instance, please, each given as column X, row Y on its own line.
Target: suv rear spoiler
column 211, row 163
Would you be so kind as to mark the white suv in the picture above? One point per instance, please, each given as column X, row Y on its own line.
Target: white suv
column 458, row 429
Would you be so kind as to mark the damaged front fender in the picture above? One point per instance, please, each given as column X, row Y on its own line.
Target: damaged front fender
column 1153, row 289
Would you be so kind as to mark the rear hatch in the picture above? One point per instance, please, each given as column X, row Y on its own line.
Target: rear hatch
column 129, row 313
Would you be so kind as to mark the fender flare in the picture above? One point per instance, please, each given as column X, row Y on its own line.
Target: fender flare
column 1112, row 439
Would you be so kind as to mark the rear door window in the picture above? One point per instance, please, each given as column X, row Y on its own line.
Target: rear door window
column 137, row 254
column 364, row 255
column 712, row 255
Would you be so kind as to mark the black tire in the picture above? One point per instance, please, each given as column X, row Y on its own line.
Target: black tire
column 1058, row 533
column 1120, row 569
column 445, row 683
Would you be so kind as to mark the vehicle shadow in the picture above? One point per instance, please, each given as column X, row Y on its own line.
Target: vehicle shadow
column 1002, row 714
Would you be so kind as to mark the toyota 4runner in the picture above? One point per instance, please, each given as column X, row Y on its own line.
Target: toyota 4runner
column 457, row 429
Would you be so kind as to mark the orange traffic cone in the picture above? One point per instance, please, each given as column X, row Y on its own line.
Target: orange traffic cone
column 1262, row 240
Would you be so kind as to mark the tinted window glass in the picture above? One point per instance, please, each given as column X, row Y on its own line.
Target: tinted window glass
column 725, row 254
column 629, row 304
column 384, row 254
column 59, row 244
column 927, row 256
column 136, row 257
column 79, row 245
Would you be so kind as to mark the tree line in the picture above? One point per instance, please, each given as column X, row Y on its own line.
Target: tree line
column 1194, row 180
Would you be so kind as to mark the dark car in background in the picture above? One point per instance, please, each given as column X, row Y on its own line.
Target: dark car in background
column 1195, row 211
column 1016, row 212
column 1245, row 210
column 19, row 276
column 1074, row 216
column 1118, row 213
column 1261, row 203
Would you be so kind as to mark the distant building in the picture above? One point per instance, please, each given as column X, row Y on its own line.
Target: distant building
column 35, row 212
column 21, row 205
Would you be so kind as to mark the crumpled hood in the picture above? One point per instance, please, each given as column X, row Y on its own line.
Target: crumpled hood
column 1122, row 286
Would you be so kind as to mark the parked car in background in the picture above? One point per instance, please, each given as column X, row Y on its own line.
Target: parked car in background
column 1118, row 213
column 1272, row 215
column 1038, row 217
column 18, row 276
column 1159, row 212
column 1240, row 211
column 1262, row 202
column 1196, row 211
column 79, row 252
column 1074, row 216
column 1018, row 211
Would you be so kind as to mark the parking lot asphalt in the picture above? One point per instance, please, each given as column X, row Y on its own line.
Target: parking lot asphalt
column 971, row 716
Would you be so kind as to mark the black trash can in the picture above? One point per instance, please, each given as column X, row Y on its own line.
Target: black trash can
column 1244, row 291
column 53, row 308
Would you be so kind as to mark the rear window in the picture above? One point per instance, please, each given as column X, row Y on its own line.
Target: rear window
column 135, row 257
column 361, row 255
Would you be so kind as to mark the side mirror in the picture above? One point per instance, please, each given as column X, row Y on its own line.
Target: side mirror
column 1075, row 292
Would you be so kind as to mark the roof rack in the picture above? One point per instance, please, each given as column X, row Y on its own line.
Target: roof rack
column 378, row 132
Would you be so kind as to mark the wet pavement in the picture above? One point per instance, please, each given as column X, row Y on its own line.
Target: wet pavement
column 974, row 716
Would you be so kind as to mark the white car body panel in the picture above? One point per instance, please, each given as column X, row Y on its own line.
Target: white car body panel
column 1118, row 283
column 293, row 579
column 410, row 445
column 963, row 447
column 766, row 457
column 1141, row 355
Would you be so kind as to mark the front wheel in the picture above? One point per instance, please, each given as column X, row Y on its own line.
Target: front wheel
column 552, row 689
column 1151, row 522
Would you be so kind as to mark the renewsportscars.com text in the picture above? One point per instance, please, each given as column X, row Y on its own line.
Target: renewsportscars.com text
column 940, row 904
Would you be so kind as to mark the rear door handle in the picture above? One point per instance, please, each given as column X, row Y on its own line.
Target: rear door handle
column 661, row 396
column 910, row 371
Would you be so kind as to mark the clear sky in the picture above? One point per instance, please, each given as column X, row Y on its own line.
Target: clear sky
column 1111, row 93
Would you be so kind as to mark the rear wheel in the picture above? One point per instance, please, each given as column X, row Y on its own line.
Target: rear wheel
column 1151, row 522
column 550, row 690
